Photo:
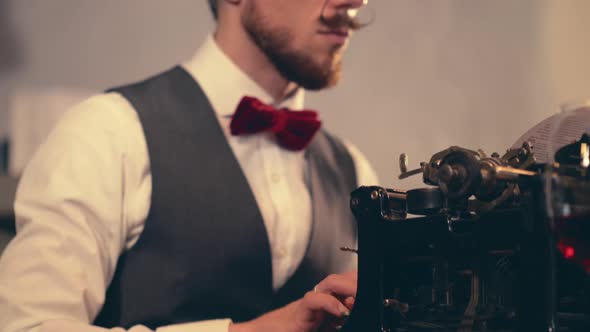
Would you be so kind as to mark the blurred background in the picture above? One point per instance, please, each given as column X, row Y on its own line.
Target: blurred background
column 426, row 75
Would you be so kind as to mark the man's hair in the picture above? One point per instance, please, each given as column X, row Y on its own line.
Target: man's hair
column 213, row 6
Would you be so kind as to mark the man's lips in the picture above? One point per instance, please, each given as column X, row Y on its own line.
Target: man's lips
column 339, row 36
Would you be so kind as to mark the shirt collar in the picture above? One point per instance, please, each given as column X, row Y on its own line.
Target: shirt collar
column 225, row 84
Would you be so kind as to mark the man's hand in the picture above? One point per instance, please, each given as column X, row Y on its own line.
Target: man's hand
column 322, row 309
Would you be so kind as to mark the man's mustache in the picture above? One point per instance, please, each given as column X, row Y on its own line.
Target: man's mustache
column 342, row 21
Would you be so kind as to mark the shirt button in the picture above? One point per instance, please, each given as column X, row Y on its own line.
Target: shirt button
column 282, row 252
column 275, row 178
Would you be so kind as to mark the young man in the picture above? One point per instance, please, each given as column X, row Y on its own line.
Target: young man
column 186, row 202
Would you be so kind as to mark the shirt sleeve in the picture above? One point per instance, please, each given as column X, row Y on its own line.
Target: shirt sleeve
column 218, row 325
column 76, row 211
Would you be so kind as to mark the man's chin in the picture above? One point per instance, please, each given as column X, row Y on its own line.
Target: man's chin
column 318, row 82
column 320, row 77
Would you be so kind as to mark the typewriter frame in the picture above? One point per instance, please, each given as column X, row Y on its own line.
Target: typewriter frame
column 388, row 242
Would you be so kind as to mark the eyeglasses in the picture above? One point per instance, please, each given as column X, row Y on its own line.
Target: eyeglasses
column 355, row 17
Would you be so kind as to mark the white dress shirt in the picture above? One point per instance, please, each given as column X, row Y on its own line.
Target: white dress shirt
column 84, row 198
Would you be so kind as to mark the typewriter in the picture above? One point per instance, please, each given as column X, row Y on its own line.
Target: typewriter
column 493, row 243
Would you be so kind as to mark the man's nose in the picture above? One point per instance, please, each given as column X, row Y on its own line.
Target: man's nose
column 347, row 4
column 350, row 7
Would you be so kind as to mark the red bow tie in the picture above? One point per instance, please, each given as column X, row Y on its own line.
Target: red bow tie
column 293, row 129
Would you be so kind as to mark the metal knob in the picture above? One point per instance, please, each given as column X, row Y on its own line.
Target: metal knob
column 403, row 163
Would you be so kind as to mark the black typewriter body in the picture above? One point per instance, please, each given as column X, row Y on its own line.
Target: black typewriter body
column 492, row 263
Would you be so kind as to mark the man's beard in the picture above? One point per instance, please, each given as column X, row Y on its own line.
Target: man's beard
column 296, row 66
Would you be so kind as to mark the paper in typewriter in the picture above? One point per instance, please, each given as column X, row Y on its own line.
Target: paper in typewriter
column 556, row 132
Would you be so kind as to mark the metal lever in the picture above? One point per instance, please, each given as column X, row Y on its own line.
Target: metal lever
column 403, row 166
column 347, row 249
column 585, row 154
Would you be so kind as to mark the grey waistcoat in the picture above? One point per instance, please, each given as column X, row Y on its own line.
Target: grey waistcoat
column 204, row 251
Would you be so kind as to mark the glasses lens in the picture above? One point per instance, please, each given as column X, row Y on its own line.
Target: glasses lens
column 363, row 15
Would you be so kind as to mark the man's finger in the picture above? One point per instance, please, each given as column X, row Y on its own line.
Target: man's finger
column 337, row 285
column 349, row 302
column 351, row 274
column 326, row 303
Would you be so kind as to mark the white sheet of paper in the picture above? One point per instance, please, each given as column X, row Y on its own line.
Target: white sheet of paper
column 555, row 132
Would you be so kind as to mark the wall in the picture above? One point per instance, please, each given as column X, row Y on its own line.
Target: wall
column 426, row 75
